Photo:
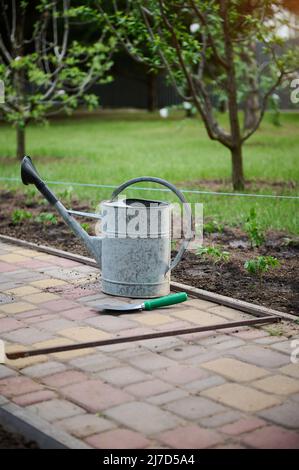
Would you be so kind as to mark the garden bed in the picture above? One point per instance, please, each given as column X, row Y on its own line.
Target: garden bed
column 9, row 440
column 278, row 289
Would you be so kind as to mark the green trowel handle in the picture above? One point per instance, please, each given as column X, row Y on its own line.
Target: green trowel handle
column 167, row 300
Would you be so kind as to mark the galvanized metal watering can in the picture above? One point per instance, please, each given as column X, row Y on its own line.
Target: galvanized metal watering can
column 134, row 248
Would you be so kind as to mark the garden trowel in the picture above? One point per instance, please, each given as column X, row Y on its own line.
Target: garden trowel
column 146, row 305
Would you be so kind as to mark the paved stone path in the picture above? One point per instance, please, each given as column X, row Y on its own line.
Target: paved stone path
column 226, row 389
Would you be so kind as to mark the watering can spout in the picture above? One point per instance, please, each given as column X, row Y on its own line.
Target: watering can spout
column 30, row 175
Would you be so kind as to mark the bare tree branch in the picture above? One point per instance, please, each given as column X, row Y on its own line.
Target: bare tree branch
column 127, row 45
column 264, row 106
column 4, row 50
column 66, row 29
column 13, row 21
column 145, row 13
column 5, row 19
column 213, row 129
column 203, row 21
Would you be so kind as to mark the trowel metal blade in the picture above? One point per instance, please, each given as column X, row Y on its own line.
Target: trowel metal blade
column 121, row 307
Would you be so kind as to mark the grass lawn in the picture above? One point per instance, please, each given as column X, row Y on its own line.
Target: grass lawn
column 113, row 147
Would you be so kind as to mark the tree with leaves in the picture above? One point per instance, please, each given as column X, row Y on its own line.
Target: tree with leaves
column 207, row 49
column 43, row 68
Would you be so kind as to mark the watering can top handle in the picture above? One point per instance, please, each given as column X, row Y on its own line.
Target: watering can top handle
column 181, row 197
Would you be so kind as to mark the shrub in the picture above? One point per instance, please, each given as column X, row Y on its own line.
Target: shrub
column 260, row 265
column 66, row 194
column 19, row 215
column 253, row 230
column 217, row 255
column 85, row 226
column 46, row 218
column 213, row 226
column 30, row 197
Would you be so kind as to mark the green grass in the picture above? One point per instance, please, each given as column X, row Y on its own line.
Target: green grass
column 113, row 147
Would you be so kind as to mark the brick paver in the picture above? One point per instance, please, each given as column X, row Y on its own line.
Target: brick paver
column 61, row 379
column 203, row 384
column 41, row 297
column 278, row 384
column 85, row 425
column 23, row 291
column 28, row 335
column 34, row 397
column 18, row 386
column 122, row 376
column 118, row 439
column 53, row 410
column 193, row 407
column 272, row 437
column 291, row 369
column 39, row 370
column 9, row 324
column 241, row 397
column 93, row 363
column 235, row 370
column 181, row 374
column 225, row 389
column 16, row 307
column 150, row 361
column 167, row 397
column 198, row 317
column 143, row 417
column 242, row 425
column 220, row 419
column 190, row 437
column 13, row 258
column 148, row 388
column 46, row 283
column 6, row 372
column 84, row 334
column 95, row 395
column 261, row 356
column 285, row 414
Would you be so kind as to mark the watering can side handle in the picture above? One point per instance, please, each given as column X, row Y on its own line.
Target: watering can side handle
column 181, row 197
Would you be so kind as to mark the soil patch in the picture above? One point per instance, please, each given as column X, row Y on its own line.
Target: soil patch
column 9, row 440
column 252, row 185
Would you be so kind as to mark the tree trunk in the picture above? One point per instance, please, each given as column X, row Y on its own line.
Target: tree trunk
column 251, row 111
column 252, row 103
column 231, row 86
column 237, row 167
column 223, row 106
column 20, row 142
column 19, row 82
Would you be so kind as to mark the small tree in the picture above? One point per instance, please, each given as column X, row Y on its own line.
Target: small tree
column 43, row 68
column 207, row 48
column 261, row 265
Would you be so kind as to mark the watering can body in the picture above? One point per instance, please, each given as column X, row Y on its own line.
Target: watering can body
column 136, row 248
column 133, row 249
